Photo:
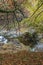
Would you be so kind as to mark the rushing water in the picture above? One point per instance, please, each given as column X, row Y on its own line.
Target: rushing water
column 38, row 47
column 3, row 40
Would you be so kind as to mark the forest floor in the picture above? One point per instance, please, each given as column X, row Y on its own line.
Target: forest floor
column 22, row 58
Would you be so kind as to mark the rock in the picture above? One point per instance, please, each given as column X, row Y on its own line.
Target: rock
column 29, row 39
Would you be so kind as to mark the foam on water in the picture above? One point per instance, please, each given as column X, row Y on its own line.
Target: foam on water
column 3, row 40
column 38, row 47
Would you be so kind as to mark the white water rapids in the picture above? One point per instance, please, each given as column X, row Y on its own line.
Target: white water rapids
column 37, row 48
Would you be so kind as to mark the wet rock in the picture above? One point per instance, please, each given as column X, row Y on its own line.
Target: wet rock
column 29, row 39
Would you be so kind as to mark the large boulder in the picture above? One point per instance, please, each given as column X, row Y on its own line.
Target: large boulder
column 29, row 39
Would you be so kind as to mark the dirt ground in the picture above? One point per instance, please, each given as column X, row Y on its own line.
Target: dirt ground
column 21, row 58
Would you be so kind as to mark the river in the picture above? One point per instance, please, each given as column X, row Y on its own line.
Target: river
column 11, row 34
